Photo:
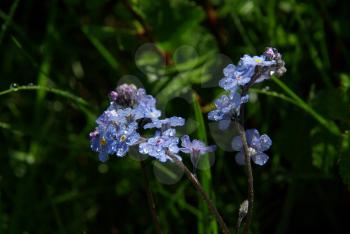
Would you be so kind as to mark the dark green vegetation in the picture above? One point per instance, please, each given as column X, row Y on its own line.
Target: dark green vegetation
column 75, row 52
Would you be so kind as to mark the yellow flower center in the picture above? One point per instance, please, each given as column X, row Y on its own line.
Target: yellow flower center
column 103, row 142
column 122, row 138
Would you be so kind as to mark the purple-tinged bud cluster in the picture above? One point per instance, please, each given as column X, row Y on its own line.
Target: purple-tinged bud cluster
column 119, row 126
column 257, row 145
column 237, row 80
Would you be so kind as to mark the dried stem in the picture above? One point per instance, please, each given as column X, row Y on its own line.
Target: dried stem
column 202, row 192
column 150, row 199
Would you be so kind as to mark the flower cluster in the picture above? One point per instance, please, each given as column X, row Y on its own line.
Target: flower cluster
column 237, row 80
column 130, row 111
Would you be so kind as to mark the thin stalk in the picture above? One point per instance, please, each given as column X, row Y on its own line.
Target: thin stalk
column 202, row 192
column 150, row 199
column 250, row 179
column 239, row 124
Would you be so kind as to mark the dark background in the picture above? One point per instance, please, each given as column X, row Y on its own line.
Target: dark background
column 50, row 181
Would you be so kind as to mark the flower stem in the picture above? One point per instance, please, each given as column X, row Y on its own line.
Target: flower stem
column 150, row 199
column 202, row 192
column 249, row 172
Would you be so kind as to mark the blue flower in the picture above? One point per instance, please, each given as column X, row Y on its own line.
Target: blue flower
column 165, row 124
column 116, row 131
column 236, row 76
column 147, row 105
column 160, row 144
column 257, row 145
column 227, row 107
column 128, row 115
column 126, row 137
column 112, row 139
column 102, row 141
column 195, row 148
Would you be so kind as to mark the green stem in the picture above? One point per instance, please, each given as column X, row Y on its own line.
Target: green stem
column 202, row 192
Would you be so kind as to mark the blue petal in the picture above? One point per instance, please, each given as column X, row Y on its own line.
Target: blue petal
column 229, row 70
column 224, row 124
column 260, row 159
column 122, row 149
column 103, row 156
column 252, row 136
column 176, row 121
column 237, row 143
column 239, row 158
column 245, row 99
column 265, row 142
column 215, row 115
column 185, row 141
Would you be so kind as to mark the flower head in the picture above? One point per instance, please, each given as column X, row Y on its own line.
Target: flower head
column 257, row 145
column 195, row 148
column 113, row 136
column 147, row 105
column 227, row 107
column 159, row 145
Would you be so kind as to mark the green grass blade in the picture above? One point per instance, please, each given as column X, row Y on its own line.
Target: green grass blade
column 8, row 20
column 101, row 48
column 78, row 100
column 328, row 124
column 204, row 175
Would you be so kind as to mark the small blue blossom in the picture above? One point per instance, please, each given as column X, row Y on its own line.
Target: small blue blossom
column 147, row 105
column 227, row 107
column 128, row 115
column 236, row 76
column 109, row 139
column 195, row 148
column 165, row 124
column 102, row 141
column 126, row 137
column 160, row 144
column 257, row 145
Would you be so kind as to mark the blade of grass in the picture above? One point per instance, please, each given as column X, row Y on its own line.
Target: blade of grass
column 80, row 102
column 8, row 20
column 178, row 199
column 313, row 51
column 101, row 48
column 59, row 92
column 328, row 124
column 205, row 175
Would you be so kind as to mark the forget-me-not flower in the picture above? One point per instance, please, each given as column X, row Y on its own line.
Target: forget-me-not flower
column 257, row 145
column 159, row 145
column 195, row 148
